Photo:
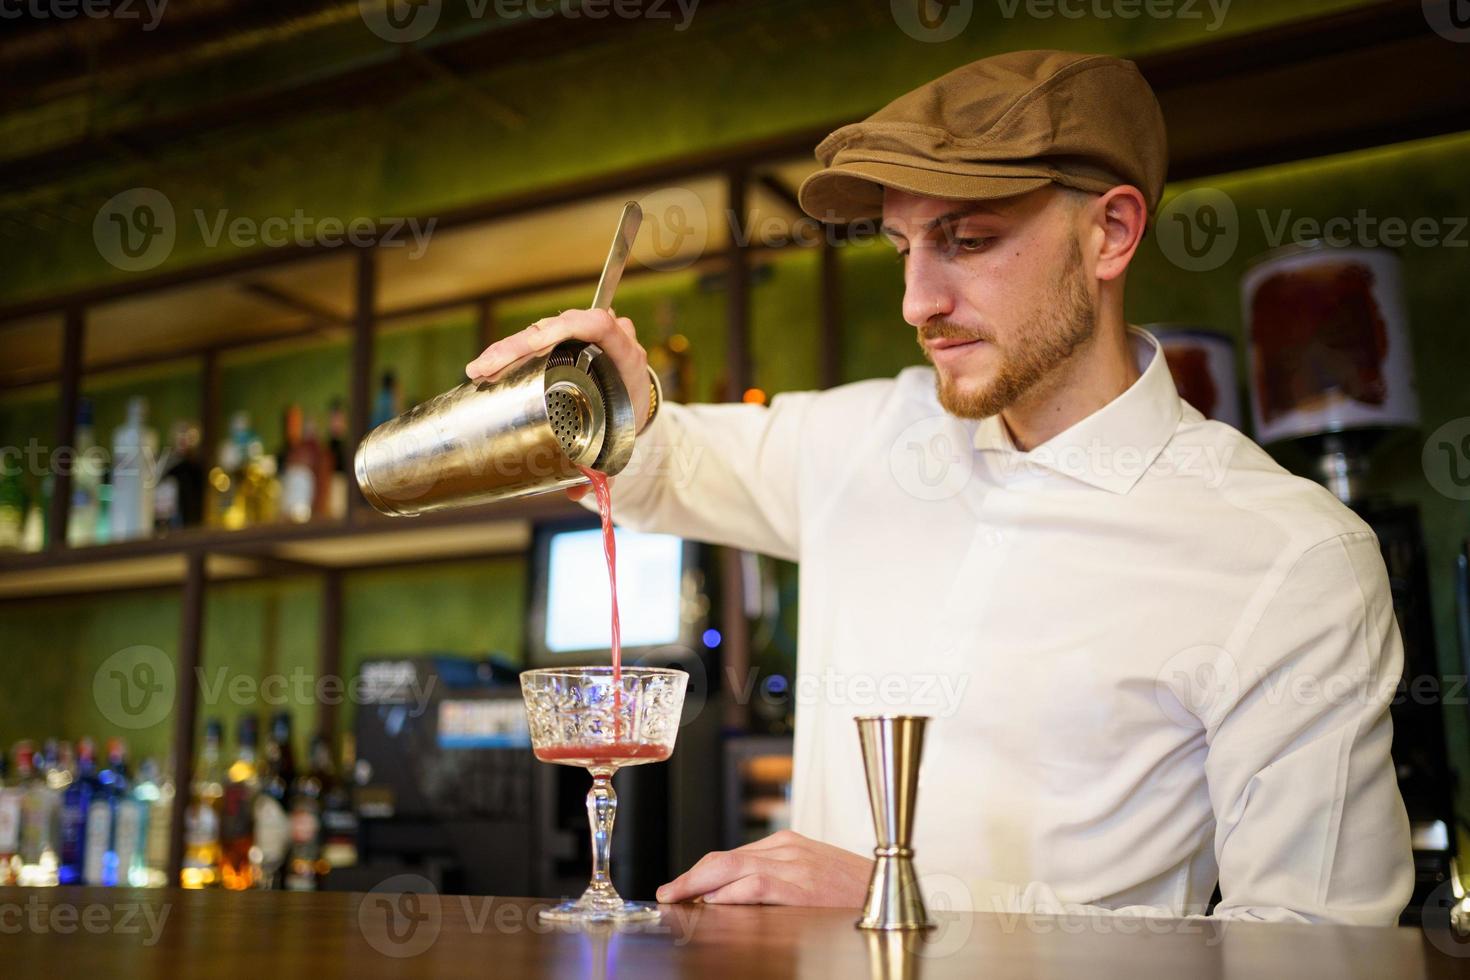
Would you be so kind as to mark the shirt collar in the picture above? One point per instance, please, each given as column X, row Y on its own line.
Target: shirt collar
column 1114, row 446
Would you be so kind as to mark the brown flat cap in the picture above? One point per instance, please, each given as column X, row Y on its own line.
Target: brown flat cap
column 995, row 128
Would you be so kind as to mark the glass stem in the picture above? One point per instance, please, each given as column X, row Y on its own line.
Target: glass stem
column 602, row 809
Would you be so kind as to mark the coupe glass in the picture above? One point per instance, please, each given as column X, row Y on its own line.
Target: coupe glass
column 580, row 717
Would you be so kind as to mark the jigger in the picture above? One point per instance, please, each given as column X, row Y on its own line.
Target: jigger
column 892, row 747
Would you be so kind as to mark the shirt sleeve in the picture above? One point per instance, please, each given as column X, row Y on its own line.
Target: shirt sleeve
column 1308, row 815
column 721, row 473
column 1309, row 822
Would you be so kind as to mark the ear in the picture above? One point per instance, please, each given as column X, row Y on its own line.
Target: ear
column 1122, row 216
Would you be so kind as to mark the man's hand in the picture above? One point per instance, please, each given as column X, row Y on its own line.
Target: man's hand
column 782, row 869
column 614, row 334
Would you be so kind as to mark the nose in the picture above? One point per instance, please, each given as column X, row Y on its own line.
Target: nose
column 926, row 294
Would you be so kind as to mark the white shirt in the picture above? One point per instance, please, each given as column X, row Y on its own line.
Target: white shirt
column 1153, row 658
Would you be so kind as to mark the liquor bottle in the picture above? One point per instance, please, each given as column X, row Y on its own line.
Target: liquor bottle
column 236, row 829
column 86, row 477
column 134, row 453
column 112, row 822
column 226, row 509
column 179, row 500
column 321, row 469
column 37, row 818
column 389, row 403
column 260, row 490
column 297, row 466
column 272, row 823
column 339, row 813
column 156, row 790
column 337, row 449
column 12, row 793
column 201, row 817
column 134, row 851
column 76, row 804
column 306, row 866
column 103, row 533
column 12, row 506
column 33, row 531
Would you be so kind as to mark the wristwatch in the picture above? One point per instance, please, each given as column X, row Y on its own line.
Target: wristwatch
column 655, row 397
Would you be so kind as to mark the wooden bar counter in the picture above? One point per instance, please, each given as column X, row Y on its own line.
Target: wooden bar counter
column 96, row 933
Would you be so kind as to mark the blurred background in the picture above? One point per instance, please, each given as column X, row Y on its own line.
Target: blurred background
column 236, row 236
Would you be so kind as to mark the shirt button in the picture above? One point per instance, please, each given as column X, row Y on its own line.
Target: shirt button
column 994, row 538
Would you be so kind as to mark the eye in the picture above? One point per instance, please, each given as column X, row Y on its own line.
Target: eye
column 969, row 245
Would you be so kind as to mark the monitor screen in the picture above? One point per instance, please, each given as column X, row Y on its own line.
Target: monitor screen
column 650, row 576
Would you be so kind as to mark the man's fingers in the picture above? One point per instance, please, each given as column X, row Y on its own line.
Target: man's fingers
column 754, row 889
column 715, row 870
column 593, row 326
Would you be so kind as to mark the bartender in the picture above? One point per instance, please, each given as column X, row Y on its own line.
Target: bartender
column 1155, row 660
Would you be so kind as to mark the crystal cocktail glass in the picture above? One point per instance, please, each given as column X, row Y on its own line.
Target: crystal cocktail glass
column 590, row 717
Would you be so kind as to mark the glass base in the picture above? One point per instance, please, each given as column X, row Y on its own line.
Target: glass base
column 601, row 908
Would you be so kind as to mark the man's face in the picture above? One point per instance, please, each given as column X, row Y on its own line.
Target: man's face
column 997, row 291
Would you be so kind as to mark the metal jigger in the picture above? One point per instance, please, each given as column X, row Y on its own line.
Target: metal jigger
column 892, row 747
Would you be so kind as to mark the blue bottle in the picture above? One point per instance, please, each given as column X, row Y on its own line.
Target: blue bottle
column 109, row 826
column 76, row 801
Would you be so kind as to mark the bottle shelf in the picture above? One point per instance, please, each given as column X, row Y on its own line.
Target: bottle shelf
column 368, row 540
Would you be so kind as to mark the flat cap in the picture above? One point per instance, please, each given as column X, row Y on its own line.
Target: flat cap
column 996, row 128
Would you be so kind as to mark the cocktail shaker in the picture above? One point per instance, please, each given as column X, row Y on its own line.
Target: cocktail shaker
column 525, row 430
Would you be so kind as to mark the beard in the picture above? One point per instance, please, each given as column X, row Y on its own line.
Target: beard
column 1047, row 341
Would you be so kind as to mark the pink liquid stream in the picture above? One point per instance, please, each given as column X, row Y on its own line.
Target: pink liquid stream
column 609, row 547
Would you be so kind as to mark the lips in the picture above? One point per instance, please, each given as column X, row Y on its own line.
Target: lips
column 951, row 348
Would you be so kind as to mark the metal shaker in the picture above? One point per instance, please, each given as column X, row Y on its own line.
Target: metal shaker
column 524, row 431
column 527, row 429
